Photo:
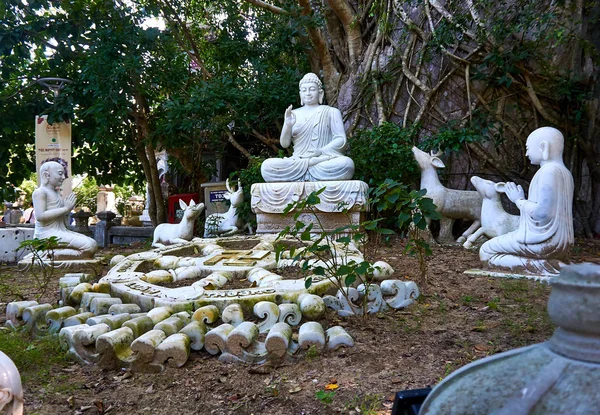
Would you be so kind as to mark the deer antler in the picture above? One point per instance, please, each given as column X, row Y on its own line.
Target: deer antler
column 436, row 154
column 227, row 185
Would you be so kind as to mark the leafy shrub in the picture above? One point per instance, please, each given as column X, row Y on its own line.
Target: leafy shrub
column 384, row 152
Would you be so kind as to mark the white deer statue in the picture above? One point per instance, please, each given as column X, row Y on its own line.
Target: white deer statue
column 174, row 233
column 495, row 221
column 228, row 223
column 451, row 204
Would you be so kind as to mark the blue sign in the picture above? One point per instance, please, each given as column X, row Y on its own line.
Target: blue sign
column 216, row 196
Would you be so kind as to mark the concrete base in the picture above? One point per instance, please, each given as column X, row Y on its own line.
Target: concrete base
column 341, row 203
column 62, row 264
column 495, row 274
column 10, row 239
column 276, row 222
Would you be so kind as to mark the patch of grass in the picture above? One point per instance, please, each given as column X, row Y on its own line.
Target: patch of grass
column 467, row 299
column 494, row 303
column 312, row 352
column 367, row 404
column 36, row 358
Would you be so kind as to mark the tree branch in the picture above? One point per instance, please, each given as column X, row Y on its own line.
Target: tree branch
column 237, row 145
column 269, row 7
column 344, row 12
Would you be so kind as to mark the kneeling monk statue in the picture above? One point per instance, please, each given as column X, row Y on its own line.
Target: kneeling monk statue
column 318, row 137
column 545, row 232
column 52, row 215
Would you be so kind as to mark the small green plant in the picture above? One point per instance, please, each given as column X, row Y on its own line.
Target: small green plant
column 325, row 397
column 312, row 352
column 331, row 248
column 413, row 211
column 42, row 261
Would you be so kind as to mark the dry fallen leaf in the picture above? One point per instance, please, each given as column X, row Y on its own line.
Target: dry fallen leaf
column 482, row 347
column 71, row 401
column 332, row 386
column 295, row 390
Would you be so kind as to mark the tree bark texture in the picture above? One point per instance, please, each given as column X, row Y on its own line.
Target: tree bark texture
column 500, row 68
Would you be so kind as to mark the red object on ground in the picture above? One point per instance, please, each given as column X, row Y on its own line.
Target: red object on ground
column 174, row 210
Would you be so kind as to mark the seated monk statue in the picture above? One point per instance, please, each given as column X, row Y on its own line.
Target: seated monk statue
column 52, row 215
column 318, row 137
column 545, row 232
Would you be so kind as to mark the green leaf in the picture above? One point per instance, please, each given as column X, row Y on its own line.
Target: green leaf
column 308, row 282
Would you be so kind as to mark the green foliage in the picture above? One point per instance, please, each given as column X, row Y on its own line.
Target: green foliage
column 87, row 194
column 325, row 397
column 412, row 211
column 384, row 152
column 332, row 247
column 453, row 136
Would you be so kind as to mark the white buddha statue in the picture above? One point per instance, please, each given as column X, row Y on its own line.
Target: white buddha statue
column 52, row 215
column 545, row 232
column 318, row 137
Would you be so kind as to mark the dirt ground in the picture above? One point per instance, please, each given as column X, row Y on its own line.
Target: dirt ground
column 458, row 319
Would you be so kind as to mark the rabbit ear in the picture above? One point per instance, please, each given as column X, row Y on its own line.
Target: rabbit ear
column 182, row 204
column 500, row 187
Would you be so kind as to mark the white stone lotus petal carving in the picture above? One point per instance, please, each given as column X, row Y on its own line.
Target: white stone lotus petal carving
column 114, row 349
column 56, row 318
column 402, row 293
column 210, row 248
column 35, row 317
column 87, row 297
column 167, row 262
column 184, row 273
column 158, row 314
column 338, row 337
column 184, row 316
column 311, row 306
column 113, row 321
column 83, row 343
column 139, row 325
column 14, row 312
column 207, row 314
column 100, row 305
column 124, row 308
column 268, row 312
column 269, row 280
column 343, row 302
column 77, row 319
column 311, row 334
column 143, row 349
column 374, row 298
column 157, row 276
column 382, row 270
column 233, row 314
column 173, row 351
column 290, row 313
column 215, row 340
column 196, row 331
column 170, row 325
column 278, row 341
column 242, row 337
column 77, row 293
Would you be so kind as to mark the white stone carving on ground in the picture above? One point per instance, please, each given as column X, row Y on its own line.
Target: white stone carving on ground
column 495, row 221
column 165, row 325
column 451, row 204
column 173, row 233
column 228, row 223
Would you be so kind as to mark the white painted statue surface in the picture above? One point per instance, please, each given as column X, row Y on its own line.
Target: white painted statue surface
column 182, row 232
column 52, row 215
column 319, row 141
column 545, row 231
column 11, row 391
column 227, row 223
